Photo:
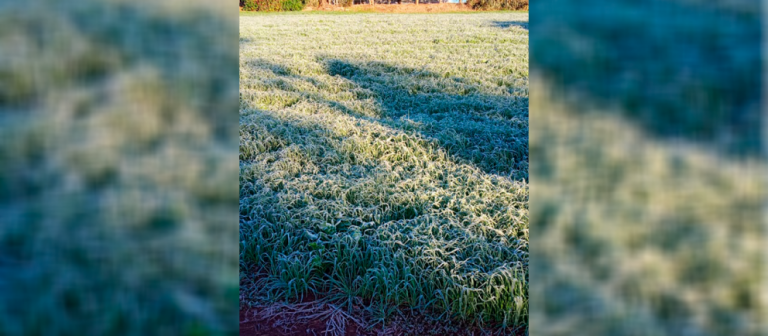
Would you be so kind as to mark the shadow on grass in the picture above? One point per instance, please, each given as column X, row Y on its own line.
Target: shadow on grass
column 375, row 146
column 488, row 131
column 507, row 24
column 695, row 77
column 485, row 130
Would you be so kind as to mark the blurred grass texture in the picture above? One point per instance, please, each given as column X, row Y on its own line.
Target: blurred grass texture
column 118, row 188
column 647, row 169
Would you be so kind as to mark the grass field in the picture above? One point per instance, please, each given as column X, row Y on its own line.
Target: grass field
column 384, row 166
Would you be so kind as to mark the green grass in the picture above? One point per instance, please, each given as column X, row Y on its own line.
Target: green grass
column 383, row 164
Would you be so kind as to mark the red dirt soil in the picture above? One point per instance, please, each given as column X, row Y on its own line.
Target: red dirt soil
column 283, row 322
column 252, row 323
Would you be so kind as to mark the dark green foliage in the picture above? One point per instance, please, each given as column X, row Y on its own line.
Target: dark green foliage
column 293, row 5
column 272, row 5
column 498, row 4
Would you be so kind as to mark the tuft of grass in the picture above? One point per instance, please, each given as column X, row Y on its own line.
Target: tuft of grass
column 383, row 166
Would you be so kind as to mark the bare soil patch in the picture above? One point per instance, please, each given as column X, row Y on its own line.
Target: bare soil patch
column 306, row 319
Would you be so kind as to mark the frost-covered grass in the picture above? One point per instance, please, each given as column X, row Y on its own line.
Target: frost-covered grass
column 383, row 163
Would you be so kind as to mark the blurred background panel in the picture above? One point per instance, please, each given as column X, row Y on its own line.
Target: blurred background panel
column 647, row 169
column 119, row 179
